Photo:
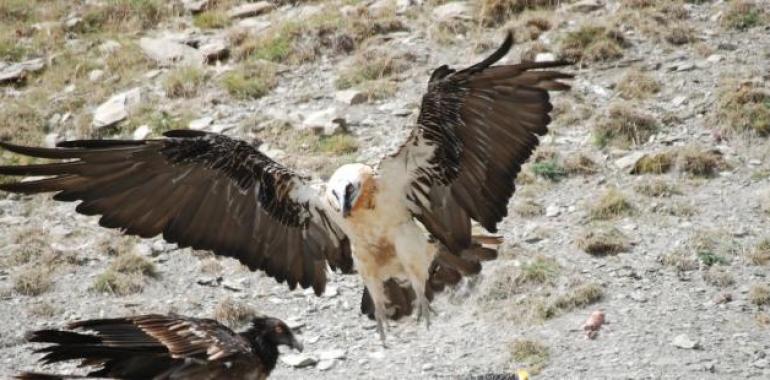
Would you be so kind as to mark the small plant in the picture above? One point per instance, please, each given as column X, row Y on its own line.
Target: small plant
column 623, row 126
column 636, row 84
column 184, row 82
column 718, row 277
column 538, row 271
column 760, row 255
column 744, row 108
column 528, row 208
column 602, row 241
column 743, row 15
column 250, row 81
column 700, row 163
column 548, row 169
column 338, row 144
column 121, row 284
column 232, row 313
column 33, row 281
column 709, row 258
column 592, row 44
column 759, row 295
column 579, row 163
column 371, row 65
column 658, row 163
column 611, row 204
column 656, row 188
column 531, row 353
column 212, row 19
column 680, row 35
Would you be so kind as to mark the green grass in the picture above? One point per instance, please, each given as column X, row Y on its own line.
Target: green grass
column 250, row 81
column 531, row 353
column 550, row 169
column 211, row 19
column 709, row 258
column 744, row 15
column 337, row 144
column 184, row 82
column 538, row 271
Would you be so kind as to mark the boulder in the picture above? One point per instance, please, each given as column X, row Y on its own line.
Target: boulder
column 117, row 108
column 250, row 9
column 169, row 53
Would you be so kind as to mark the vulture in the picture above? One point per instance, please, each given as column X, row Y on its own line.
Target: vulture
column 161, row 347
column 404, row 225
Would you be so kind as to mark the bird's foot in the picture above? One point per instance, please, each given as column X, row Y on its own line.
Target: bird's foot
column 425, row 309
column 381, row 324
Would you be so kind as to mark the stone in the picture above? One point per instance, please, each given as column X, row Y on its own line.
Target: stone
column 457, row 10
column 18, row 71
column 73, row 23
column 552, row 211
column 380, row 8
column 331, row 354
column 331, row 291
column 404, row 5
column 250, row 9
column 51, row 139
column 427, row 367
column 325, row 365
column 141, row 132
column 714, row 58
column 200, row 124
column 586, row 6
column 95, row 75
column 683, row 341
column 679, row 100
column 109, row 46
column 628, row 161
column 298, row 360
column 326, row 122
column 117, row 108
column 351, row 97
column 170, row 53
column 254, row 24
column 214, row 50
column 195, row 6
column 545, row 57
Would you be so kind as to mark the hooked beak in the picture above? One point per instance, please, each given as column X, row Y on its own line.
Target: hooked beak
column 346, row 207
column 296, row 344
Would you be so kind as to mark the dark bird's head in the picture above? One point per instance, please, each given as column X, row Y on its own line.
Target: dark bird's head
column 273, row 331
column 346, row 188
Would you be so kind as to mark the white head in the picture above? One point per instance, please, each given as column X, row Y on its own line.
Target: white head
column 346, row 186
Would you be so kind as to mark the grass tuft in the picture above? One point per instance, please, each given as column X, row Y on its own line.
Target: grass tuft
column 184, row 82
column 549, row 169
column 126, row 274
column 657, row 187
column 759, row 295
column 701, row 163
column 603, row 241
column 338, row 144
column 374, row 64
column 636, row 84
column 744, row 15
column 718, row 277
column 540, row 270
column 658, row 163
column 593, row 44
column 744, row 108
column 531, row 353
column 611, row 204
column 250, row 81
column 211, row 19
column 623, row 126
column 760, row 255
column 33, row 280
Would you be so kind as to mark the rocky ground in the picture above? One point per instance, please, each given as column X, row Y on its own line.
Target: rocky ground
column 648, row 200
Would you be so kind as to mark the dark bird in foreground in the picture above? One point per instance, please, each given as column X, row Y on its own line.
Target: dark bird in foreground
column 406, row 224
column 162, row 347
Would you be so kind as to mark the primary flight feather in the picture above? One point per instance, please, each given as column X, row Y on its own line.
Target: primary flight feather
column 477, row 126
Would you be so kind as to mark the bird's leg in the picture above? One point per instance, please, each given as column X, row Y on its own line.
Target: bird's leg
column 377, row 292
column 416, row 254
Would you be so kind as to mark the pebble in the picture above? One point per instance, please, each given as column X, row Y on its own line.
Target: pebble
column 552, row 211
column 95, row 75
column 200, row 124
column 250, row 9
column 117, row 108
column 331, row 354
column 350, row 96
column 298, row 360
column 683, row 341
column 141, row 132
column 325, row 365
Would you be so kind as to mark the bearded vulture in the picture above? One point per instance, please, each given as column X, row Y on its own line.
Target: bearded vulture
column 476, row 128
column 163, row 347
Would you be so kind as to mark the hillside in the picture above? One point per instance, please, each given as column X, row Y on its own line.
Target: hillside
column 649, row 198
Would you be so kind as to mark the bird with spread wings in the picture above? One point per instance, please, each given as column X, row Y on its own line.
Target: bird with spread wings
column 404, row 226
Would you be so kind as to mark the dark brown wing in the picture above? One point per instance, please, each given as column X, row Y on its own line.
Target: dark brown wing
column 476, row 128
column 202, row 190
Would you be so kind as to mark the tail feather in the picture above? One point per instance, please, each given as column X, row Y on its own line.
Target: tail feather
column 44, row 376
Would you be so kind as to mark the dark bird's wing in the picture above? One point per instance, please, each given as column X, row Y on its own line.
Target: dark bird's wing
column 201, row 190
column 477, row 126
column 146, row 346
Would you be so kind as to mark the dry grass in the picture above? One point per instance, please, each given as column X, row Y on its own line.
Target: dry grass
column 610, row 205
column 759, row 294
column 29, row 243
column 744, row 15
column 371, row 65
column 592, row 44
column 637, row 84
column 718, row 277
column 680, row 35
column 640, row 4
column 528, row 208
column 699, row 162
column 338, row 144
column 43, row 310
column 579, row 164
column 763, row 319
column 126, row 274
column 531, row 353
column 233, row 313
column 744, row 107
column 657, row 163
column 378, row 89
column 540, row 270
column 760, row 255
column 623, row 126
column 576, row 297
column 184, row 82
column 657, row 187
column 211, row 266
column 681, row 260
column 122, row 16
column 33, row 280
column 212, row 19
column 603, row 241
column 250, row 81
column 530, row 25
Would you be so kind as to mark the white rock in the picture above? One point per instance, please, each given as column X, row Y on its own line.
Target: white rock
column 95, row 75
column 683, row 341
column 545, row 57
column 586, row 6
column 214, row 50
column 169, row 53
column 679, row 100
column 18, row 71
column 109, row 46
column 403, row 5
column 254, row 24
column 627, row 162
column 350, row 96
column 377, row 355
column 331, row 291
column 552, row 211
column 250, row 9
column 427, row 367
column 51, row 139
column 141, row 132
column 456, row 10
column 714, row 58
column 326, row 122
column 380, row 8
column 202, row 123
column 331, row 354
column 298, row 360
column 325, row 365
column 195, row 6
column 73, row 22
column 69, row 89
column 117, row 108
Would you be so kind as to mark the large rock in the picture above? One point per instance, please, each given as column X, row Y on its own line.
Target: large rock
column 586, row 6
column 350, row 97
column 214, row 50
column 250, row 9
column 117, row 108
column 195, row 6
column 170, row 53
column 457, row 10
column 326, row 122
column 298, row 360
column 18, row 71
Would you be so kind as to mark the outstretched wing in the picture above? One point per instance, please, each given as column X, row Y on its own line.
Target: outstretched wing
column 476, row 128
column 201, row 190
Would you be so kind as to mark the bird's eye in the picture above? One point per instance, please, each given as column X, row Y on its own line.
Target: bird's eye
column 279, row 329
column 334, row 192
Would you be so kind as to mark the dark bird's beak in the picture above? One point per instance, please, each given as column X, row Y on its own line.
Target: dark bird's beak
column 347, row 202
column 296, row 344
